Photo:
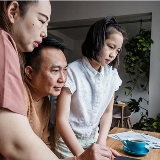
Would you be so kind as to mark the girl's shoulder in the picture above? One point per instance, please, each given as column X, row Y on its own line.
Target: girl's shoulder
column 110, row 69
column 75, row 64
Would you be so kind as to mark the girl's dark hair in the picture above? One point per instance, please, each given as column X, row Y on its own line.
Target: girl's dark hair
column 96, row 37
column 23, row 6
column 34, row 59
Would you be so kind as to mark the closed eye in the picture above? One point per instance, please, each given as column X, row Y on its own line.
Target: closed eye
column 65, row 69
column 55, row 71
column 42, row 21
column 111, row 47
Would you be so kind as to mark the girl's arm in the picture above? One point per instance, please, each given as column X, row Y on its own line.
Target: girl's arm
column 62, row 122
column 105, row 123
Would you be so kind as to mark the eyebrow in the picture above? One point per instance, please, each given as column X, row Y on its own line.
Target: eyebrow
column 56, row 66
column 44, row 15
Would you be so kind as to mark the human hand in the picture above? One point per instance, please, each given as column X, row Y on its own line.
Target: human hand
column 114, row 152
column 98, row 152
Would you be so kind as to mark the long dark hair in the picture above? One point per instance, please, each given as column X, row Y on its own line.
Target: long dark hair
column 6, row 25
column 23, row 6
column 97, row 35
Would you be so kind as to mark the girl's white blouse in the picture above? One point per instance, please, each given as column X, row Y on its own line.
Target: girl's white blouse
column 91, row 94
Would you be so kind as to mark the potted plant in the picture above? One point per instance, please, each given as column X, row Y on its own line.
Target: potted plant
column 137, row 64
column 137, row 61
column 149, row 124
column 134, row 105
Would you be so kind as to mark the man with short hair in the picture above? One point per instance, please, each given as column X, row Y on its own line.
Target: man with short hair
column 45, row 73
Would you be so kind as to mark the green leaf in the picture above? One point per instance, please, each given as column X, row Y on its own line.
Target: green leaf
column 129, row 88
column 145, row 49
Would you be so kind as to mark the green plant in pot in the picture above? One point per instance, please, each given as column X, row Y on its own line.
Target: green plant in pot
column 137, row 61
column 137, row 65
column 134, row 105
column 149, row 124
column 145, row 123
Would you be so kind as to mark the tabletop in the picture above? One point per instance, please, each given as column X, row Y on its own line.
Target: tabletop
column 154, row 154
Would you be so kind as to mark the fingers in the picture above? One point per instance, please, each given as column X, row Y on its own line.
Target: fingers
column 108, row 152
column 98, row 152
column 104, row 151
column 114, row 152
column 92, row 153
column 103, row 147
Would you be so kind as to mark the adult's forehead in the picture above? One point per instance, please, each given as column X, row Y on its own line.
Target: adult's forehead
column 43, row 7
column 52, row 52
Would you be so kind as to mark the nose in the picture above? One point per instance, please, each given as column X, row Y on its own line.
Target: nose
column 44, row 32
column 112, row 54
column 62, row 78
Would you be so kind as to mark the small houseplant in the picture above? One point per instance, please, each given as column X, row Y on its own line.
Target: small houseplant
column 137, row 64
column 137, row 61
column 149, row 124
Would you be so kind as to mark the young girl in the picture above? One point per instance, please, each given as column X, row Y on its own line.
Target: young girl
column 87, row 99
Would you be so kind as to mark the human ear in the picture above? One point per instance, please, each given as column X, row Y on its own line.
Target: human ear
column 12, row 11
column 28, row 71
